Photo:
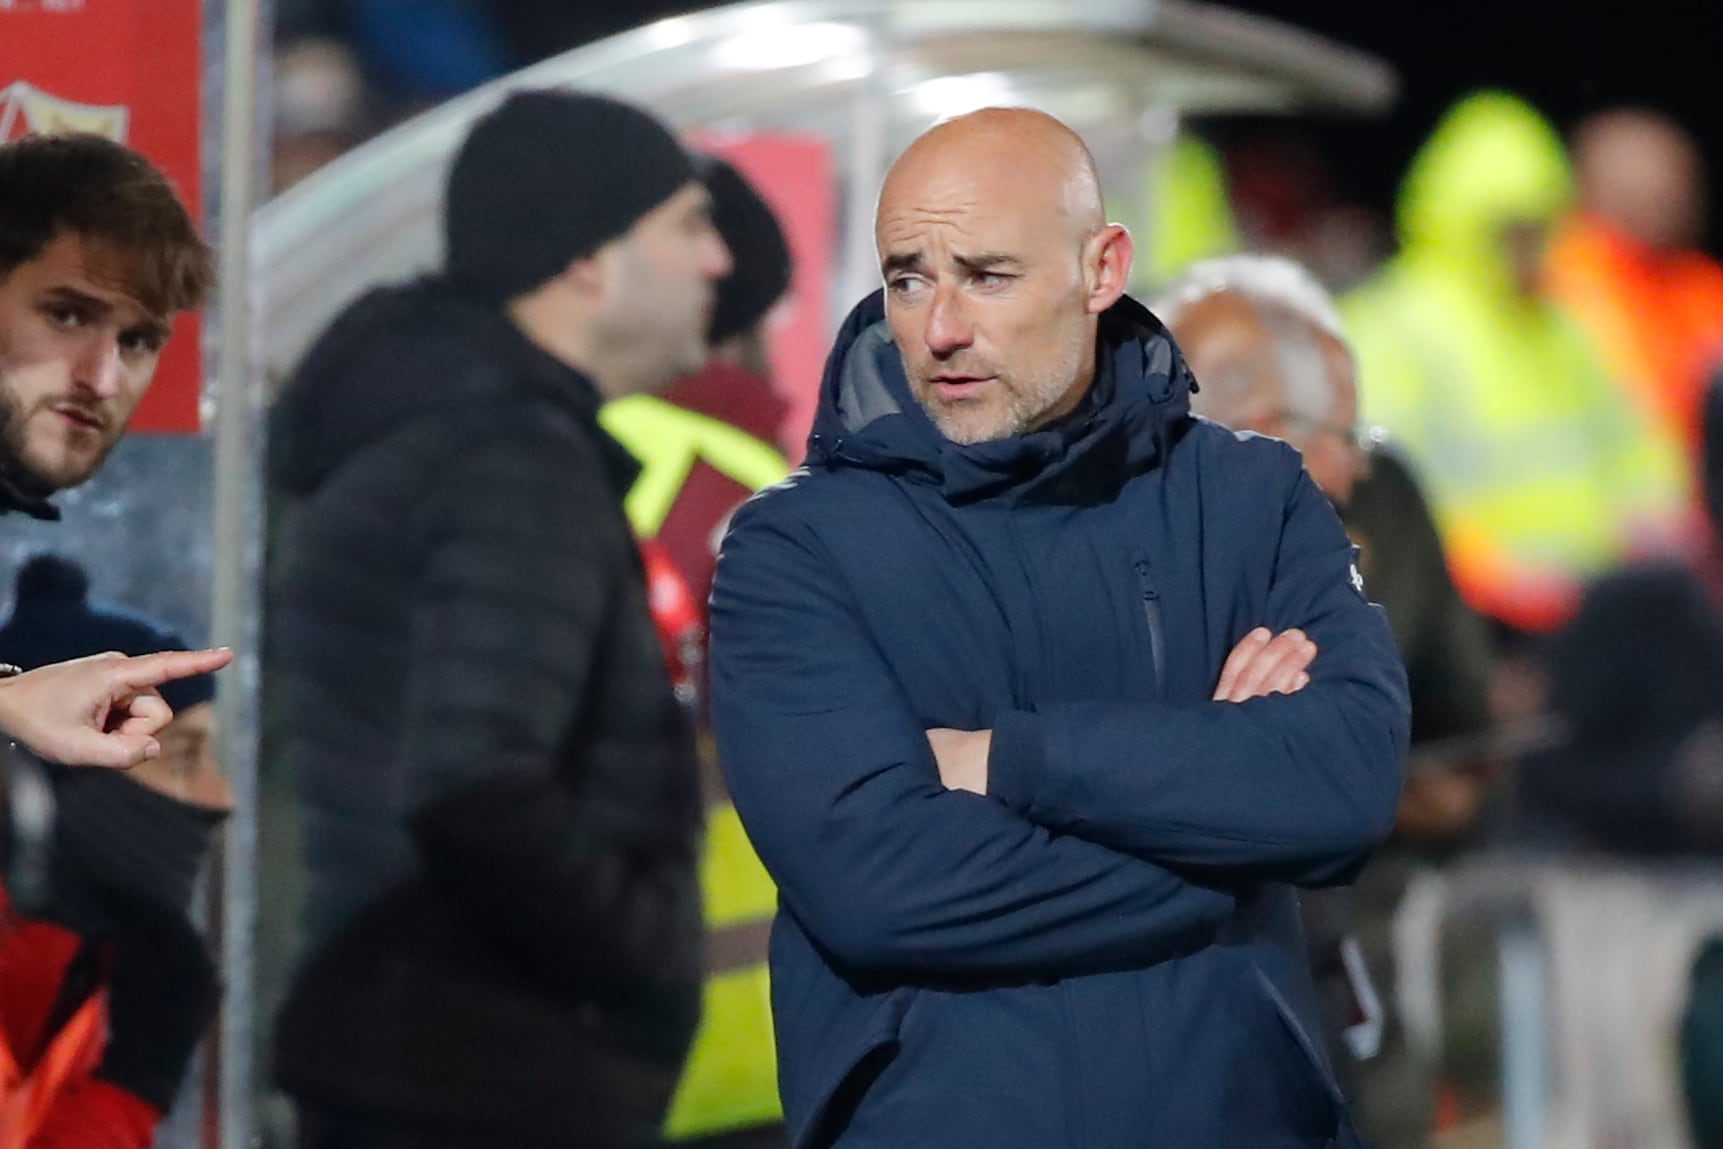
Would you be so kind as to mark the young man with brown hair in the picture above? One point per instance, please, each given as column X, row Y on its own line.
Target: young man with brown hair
column 96, row 255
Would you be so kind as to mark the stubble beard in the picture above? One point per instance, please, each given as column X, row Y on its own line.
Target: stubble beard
column 15, row 468
column 14, row 471
column 1025, row 409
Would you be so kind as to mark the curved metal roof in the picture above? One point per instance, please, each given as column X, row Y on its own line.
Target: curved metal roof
column 869, row 74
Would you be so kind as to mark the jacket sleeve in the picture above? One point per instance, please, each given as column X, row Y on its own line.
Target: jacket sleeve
column 1296, row 788
column 836, row 783
column 512, row 603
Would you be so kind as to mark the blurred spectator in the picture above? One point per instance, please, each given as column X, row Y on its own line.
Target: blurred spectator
column 318, row 108
column 420, row 52
column 1265, row 192
column 704, row 448
column 1539, row 474
column 102, row 1007
column 1289, row 203
column 1190, row 211
column 1628, row 266
column 500, row 793
column 1638, row 678
column 1266, row 345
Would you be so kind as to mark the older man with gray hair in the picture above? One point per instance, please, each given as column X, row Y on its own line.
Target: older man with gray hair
column 1265, row 341
column 1266, row 344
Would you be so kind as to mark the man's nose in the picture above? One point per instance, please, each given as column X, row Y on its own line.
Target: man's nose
column 717, row 260
column 98, row 368
column 948, row 327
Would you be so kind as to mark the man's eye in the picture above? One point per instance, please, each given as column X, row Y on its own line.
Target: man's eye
column 992, row 278
column 904, row 284
column 140, row 342
column 62, row 316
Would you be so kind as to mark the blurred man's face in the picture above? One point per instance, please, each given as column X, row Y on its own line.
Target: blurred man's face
column 1333, row 454
column 1523, row 244
column 660, row 288
column 77, row 353
column 187, row 770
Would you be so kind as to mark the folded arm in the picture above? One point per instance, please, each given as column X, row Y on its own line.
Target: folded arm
column 837, row 785
column 1292, row 787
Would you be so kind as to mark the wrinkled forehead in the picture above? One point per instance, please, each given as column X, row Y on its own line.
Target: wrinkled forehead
column 974, row 208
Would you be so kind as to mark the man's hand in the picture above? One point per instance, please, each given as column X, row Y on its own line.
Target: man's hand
column 962, row 757
column 98, row 711
column 1263, row 664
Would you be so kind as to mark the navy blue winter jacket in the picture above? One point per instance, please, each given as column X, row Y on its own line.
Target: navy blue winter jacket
column 1103, row 952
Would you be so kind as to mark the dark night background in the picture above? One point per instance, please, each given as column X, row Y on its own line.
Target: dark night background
column 1568, row 58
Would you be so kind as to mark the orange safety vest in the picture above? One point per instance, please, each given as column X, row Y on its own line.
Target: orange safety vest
column 1656, row 316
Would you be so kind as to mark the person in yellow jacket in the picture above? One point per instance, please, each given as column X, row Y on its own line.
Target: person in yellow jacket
column 704, row 447
column 1540, row 473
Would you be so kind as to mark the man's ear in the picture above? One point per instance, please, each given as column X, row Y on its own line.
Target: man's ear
column 1107, row 257
column 587, row 275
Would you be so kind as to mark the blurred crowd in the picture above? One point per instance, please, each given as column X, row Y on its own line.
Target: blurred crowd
column 1512, row 394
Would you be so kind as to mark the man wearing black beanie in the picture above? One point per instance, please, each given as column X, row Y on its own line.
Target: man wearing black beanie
column 501, row 803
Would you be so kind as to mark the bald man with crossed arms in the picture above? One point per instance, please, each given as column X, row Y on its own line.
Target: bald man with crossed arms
column 1038, row 697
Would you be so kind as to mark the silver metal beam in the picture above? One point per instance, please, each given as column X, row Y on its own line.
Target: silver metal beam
column 238, row 554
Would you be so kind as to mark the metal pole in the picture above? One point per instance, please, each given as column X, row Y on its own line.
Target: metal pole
column 870, row 130
column 237, row 560
column 1524, row 1033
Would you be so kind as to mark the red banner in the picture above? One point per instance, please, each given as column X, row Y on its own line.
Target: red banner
column 131, row 70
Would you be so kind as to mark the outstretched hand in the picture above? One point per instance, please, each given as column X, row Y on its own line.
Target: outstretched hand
column 1264, row 663
column 103, row 710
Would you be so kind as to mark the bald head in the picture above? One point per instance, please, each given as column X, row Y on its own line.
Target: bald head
column 1026, row 155
column 998, row 261
column 1640, row 171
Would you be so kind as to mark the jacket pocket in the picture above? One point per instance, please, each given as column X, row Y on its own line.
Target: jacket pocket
column 1151, row 597
column 1306, row 1069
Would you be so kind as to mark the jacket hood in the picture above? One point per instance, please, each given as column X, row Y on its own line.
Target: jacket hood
column 868, row 417
column 1492, row 160
column 398, row 353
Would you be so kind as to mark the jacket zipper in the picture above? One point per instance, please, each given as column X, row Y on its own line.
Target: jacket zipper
column 1152, row 610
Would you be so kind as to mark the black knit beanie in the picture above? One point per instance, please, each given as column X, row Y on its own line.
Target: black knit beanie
column 759, row 254
column 549, row 177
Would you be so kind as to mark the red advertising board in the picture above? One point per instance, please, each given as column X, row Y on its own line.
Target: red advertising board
column 132, row 70
column 793, row 172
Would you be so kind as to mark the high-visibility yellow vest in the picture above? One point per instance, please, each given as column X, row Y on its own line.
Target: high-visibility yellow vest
column 731, row 1078
column 1540, row 470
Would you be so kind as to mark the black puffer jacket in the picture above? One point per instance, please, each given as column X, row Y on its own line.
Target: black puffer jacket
column 500, row 797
